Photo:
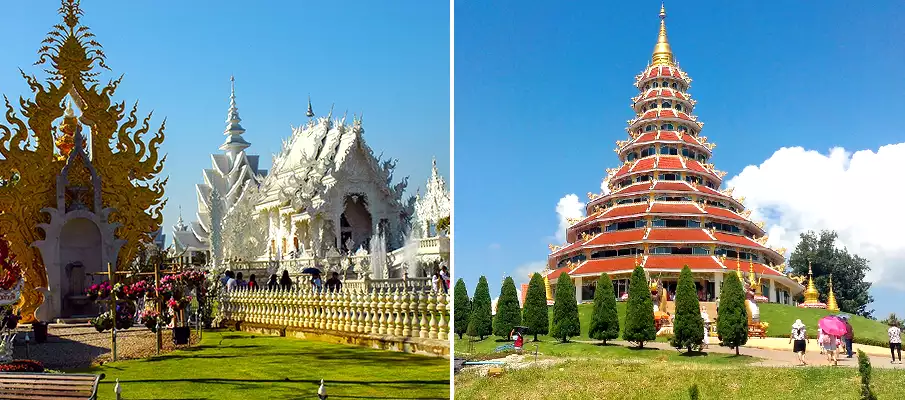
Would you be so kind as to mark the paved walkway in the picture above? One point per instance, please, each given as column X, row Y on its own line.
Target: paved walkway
column 776, row 352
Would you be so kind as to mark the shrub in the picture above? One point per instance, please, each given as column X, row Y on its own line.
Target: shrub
column 605, row 320
column 508, row 314
column 534, row 312
column 22, row 366
column 864, row 369
column 461, row 308
column 565, row 310
column 479, row 325
column 639, row 312
column 688, row 331
column 694, row 392
column 732, row 325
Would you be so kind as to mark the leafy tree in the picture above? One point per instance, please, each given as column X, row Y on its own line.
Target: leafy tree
column 565, row 310
column 480, row 322
column 461, row 308
column 534, row 313
column 732, row 323
column 639, row 312
column 848, row 270
column 443, row 224
column 508, row 314
column 688, row 331
column 864, row 369
column 605, row 321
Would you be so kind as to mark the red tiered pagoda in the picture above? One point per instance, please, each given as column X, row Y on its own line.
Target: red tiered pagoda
column 664, row 209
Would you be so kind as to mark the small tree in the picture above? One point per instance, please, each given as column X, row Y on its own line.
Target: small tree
column 694, row 392
column 639, row 312
column 479, row 324
column 508, row 314
column 461, row 308
column 565, row 310
column 688, row 330
column 605, row 321
column 864, row 369
column 732, row 323
column 535, row 314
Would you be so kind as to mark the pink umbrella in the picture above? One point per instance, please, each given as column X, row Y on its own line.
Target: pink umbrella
column 832, row 326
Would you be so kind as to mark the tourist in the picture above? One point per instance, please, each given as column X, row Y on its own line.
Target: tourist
column 895, row 341
column 519, row 340
column 820, row 336
column 241, row 282
column 285, row 281
column 706, row 318
column 800, row 336
column 444, row 274
column 231, row 283
column 273, row 284
column 226, row 276
column 830, row 345
column 316, row 282
column 334, row 284
column 848, row 337
column 252, row 283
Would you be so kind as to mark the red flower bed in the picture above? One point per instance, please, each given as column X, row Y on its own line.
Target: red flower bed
column 22, row 366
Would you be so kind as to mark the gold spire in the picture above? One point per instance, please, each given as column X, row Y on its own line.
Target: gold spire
column 547, row 289
column 811, row 295
column 831, row 301
column 738, row 269
column 662, row 52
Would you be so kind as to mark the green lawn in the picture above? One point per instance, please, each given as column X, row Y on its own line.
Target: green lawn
column 235, row 365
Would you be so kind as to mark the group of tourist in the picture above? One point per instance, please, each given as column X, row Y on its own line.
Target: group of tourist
column 833, row 345
column 232, row 281
column 440, row 280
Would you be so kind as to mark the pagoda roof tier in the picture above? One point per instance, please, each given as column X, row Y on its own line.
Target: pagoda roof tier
column 666, row 162
column 663, row 115
column 608, row 265
column 662, row 93
column 655, row 71
column 666, row 137
column 621, row 237
column 658, row 186
column 678, row 235
column 664, row 208
column 677, row 262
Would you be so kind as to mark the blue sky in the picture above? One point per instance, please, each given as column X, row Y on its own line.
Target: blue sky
column 389, row 60
column 543, row 93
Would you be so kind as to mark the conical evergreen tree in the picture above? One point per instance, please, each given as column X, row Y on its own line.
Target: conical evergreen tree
column 461, row 308
column 688, row 331
column 479, row 324
column 534, row 312
column 605, row 321
column 639, row 312
column 565, row 310
column 508, row 314
column 732, row 321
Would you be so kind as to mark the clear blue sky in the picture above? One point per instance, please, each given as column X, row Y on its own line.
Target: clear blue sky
column 388, row 59
column 543, row 92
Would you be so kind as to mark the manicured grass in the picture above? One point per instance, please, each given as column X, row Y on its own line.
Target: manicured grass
column 639, row 377
column 234, row 365
column 781, row 318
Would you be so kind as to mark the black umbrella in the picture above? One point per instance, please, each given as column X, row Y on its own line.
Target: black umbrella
column 521, row 329
column 311, row 271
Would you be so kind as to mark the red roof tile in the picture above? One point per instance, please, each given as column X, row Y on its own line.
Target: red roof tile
column 646, row 137
column 735, row 239
column 690, row 139
column 680, row 95
column 566, row 249
column 653, row 72
column 676, row 262
column 684, row 116
column 722, row 212
column 695, row 166
column 621, row 211
column 641, row 187
column 667, row 114
column 599, row 266
column 666, row 92
column 652, row 93
column 650, row 114
column 675, row 208
column 669, row 135
column 679, row 235
column 556, row 273
column 762, row 269
column 707, row 189
column 670, row 163
column 675, row 73
column 644, row 164
column 610, row 238
column 677, row 186
column 625, row 168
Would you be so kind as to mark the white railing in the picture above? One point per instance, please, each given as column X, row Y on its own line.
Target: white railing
column 389, row 312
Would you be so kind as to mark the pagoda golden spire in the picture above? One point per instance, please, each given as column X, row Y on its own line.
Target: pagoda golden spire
column 662, row 52
column 811, row 295
column 738, row 269
column 831, row 300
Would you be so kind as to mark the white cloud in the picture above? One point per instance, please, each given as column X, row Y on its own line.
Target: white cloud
column 568, row 207
column 604, row 188
column 523, row 273
column 855, row 194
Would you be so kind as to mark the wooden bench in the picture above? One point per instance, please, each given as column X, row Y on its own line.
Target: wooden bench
column 14, row 385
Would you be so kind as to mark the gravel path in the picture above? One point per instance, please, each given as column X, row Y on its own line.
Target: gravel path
column 81, row 346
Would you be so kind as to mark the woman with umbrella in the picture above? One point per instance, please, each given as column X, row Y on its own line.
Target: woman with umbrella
column 832, row 328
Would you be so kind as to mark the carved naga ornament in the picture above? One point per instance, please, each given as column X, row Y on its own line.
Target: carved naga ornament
column 125, row 158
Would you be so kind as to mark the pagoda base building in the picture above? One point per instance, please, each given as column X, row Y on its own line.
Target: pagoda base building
column 664, row 209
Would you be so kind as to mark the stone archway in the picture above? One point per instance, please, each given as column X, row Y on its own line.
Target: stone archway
column 355, row 223
column 81, row 253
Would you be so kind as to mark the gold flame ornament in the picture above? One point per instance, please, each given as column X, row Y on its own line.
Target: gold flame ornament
column 123, row 155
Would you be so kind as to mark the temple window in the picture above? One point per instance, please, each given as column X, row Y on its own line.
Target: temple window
column 669, row 150
column 667, row 127
column 655, row 84
column 702, row 158
column 642, row 178
column 665, row 84
column 648, row 128
column 682, row 128
column 692, row 179
column 674, row 85
column 700, row 251
column 666, row 104
column 678, row 107
column 646, row 87
column 649, row 151
column 625, row 182
column 688, row 153
column 669, row 177
column 673, row 198
column 632, row 156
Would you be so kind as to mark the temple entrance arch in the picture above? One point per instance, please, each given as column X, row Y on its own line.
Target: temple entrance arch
column 355, row 223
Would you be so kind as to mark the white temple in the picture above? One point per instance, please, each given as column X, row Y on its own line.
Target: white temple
column 326, row 203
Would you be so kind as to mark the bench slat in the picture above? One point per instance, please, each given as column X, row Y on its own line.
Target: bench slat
column 8, row 375
column 28, row 386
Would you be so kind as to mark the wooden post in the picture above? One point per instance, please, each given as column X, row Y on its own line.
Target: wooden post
column 112, row 278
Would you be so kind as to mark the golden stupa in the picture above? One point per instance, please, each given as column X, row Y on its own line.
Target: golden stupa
column 811, row 296
column 831, row 300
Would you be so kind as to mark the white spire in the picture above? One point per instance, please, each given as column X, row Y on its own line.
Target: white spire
column 234, row 142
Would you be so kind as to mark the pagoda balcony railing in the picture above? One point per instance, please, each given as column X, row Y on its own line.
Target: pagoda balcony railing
column 399, row 312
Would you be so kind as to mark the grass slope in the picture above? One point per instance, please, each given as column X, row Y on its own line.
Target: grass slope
column 234, row 365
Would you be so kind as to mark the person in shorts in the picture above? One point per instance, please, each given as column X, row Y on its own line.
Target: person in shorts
column 895, row 341
column 800, row 338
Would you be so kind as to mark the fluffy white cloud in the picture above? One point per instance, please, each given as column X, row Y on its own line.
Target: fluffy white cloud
column 568, row 207
column 604, row 188
column 855, row 194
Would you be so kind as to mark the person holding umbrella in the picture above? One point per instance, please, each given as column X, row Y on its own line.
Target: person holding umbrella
column 832, row 328
column 517, row 333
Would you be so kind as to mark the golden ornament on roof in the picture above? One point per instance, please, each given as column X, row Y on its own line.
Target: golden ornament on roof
column 662, row 52
column 127, row 163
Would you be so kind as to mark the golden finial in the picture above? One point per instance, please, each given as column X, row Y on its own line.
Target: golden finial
column 831, row 300
column 738, row 268
column 662, row 52
column 811, row 295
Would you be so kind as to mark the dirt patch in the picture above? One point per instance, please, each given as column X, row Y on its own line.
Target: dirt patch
column 514, row 362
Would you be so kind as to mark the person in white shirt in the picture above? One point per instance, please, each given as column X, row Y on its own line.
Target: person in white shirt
column 895, row 341
column 231, row 284
column 800, row 336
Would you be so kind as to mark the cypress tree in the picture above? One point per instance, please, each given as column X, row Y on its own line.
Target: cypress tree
column 732, row 321
column 480, row 322
column 534, row 313
column 688, row 331
column 508, row 314
column 605, row 321
column 864, row 369
column 565, row 310
column 639, row 312
column 461, row 308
